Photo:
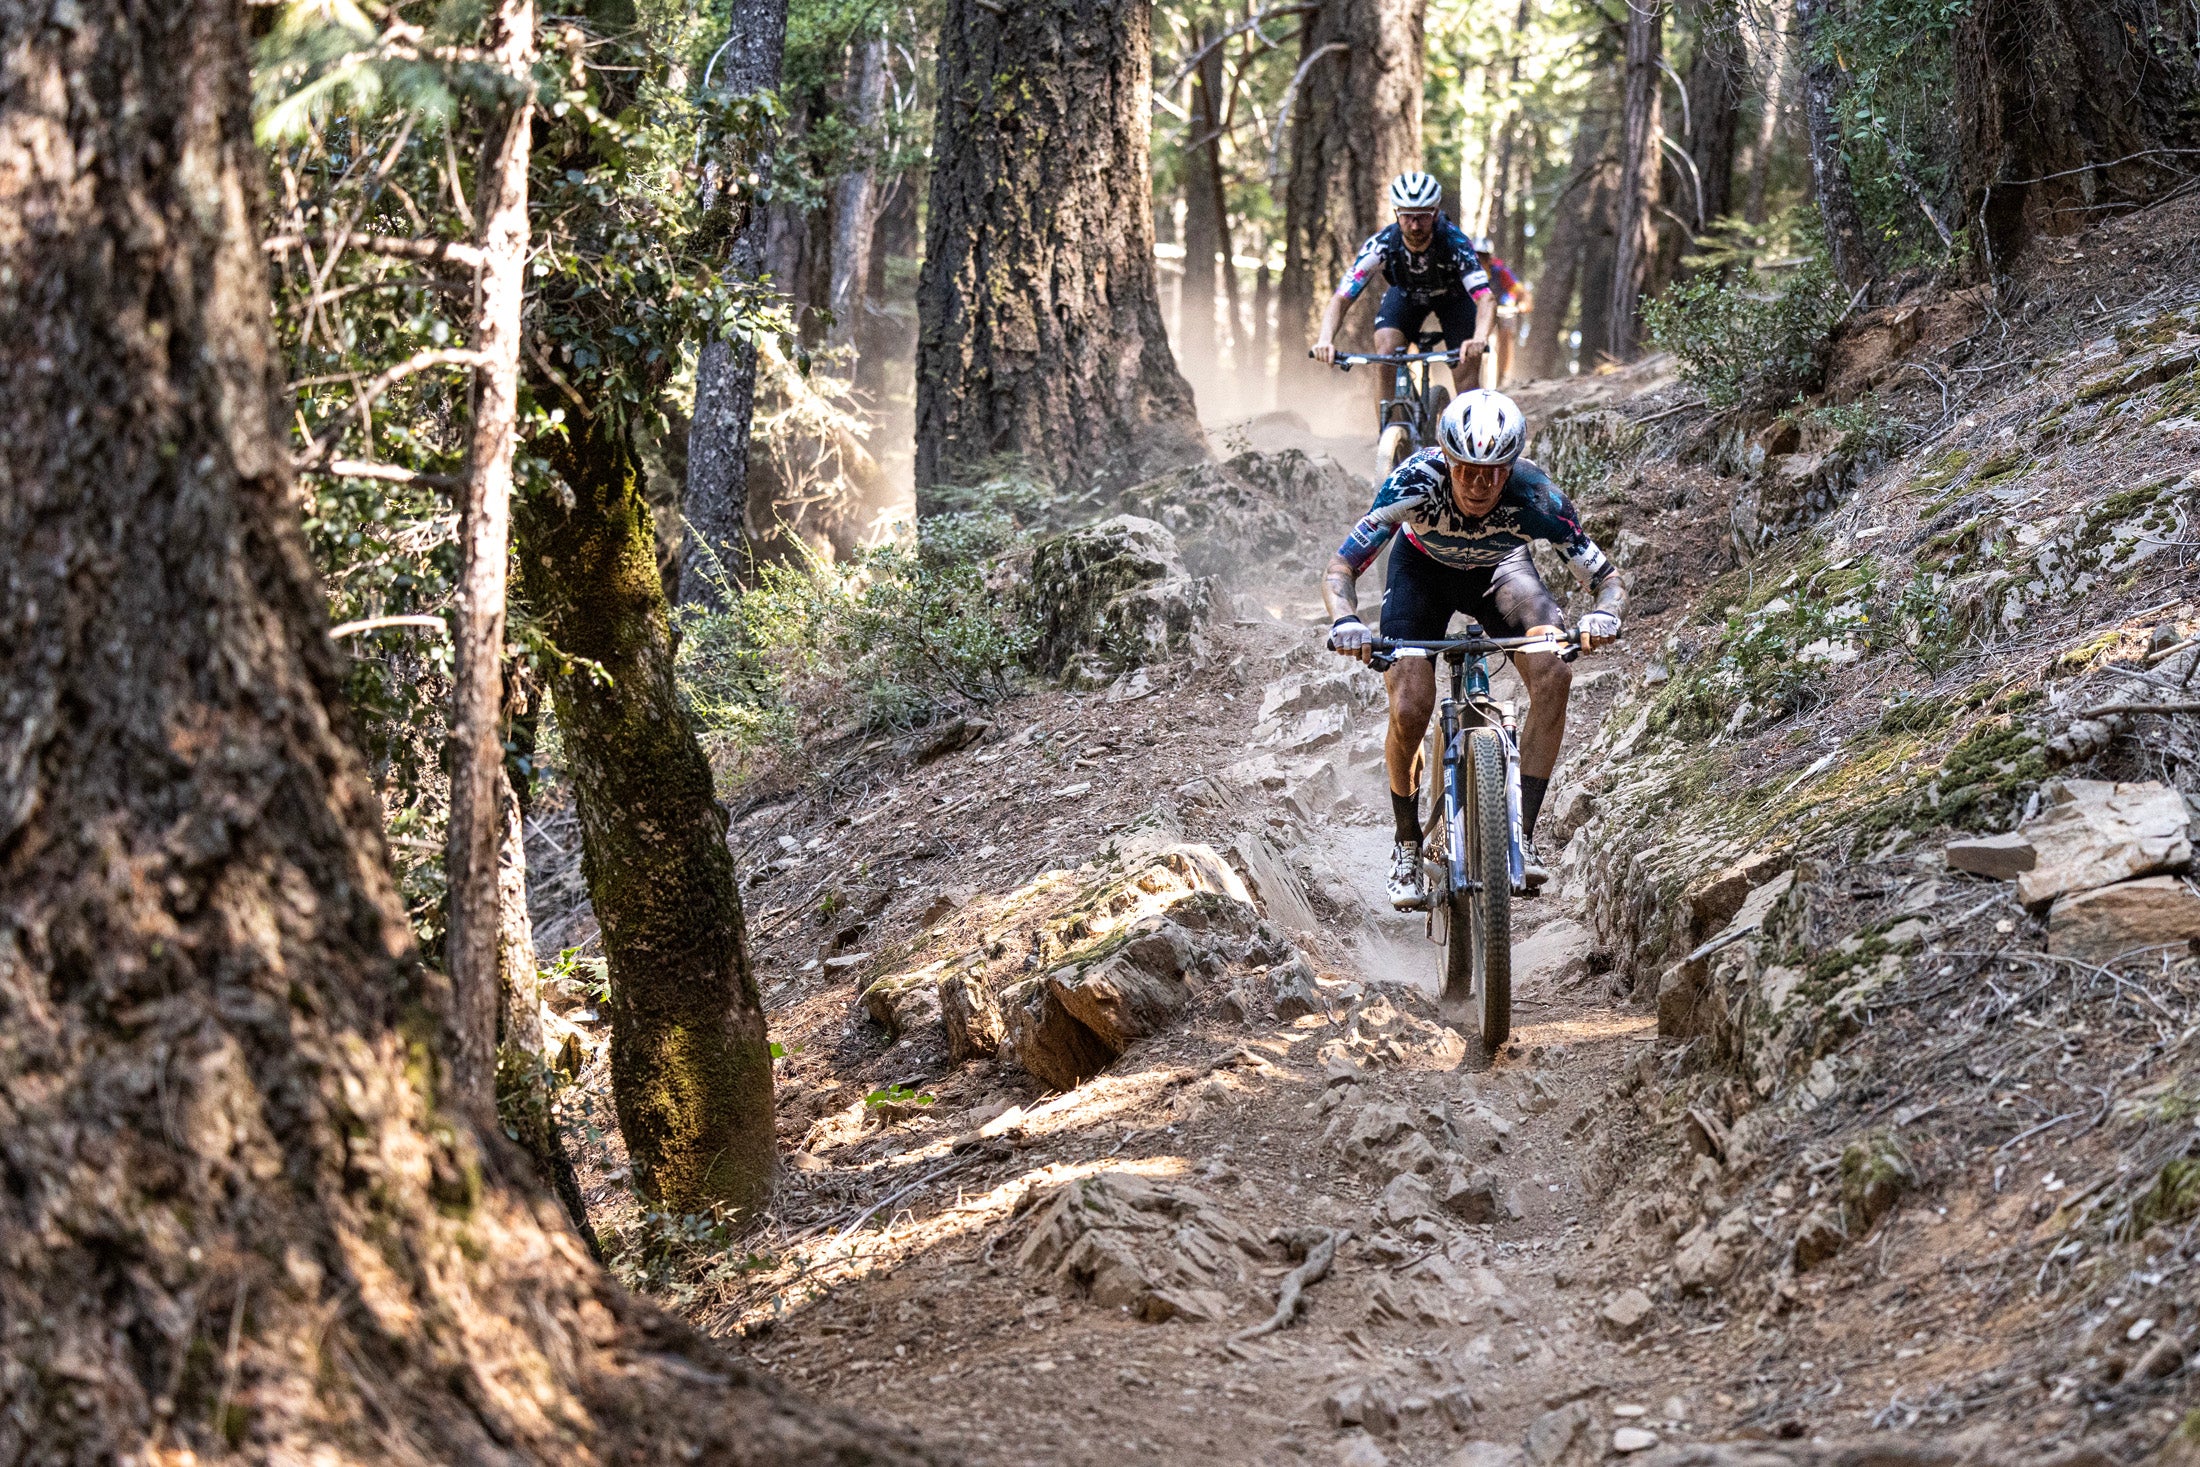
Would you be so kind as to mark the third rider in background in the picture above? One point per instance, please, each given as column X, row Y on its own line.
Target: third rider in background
column 1469, row 508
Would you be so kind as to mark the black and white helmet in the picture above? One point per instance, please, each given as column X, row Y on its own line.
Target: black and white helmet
column 1415, row 191
column 1482, row 427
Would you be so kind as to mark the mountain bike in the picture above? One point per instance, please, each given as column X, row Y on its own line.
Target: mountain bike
column 1406, row 421
column 1473, row 859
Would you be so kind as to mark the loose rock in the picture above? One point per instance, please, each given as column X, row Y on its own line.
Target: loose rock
column 2107, row 922
column 1624, row 1313
column 1363, row 1403
column 2091, row 832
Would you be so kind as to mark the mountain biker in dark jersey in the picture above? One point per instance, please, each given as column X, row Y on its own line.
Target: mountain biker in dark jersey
column 1469, row 509
column 1430, row 266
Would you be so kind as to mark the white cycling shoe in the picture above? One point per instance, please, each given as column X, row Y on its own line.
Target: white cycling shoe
column 1408, row 886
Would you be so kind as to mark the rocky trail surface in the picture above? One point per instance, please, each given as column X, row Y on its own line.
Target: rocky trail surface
column 1849, row 1115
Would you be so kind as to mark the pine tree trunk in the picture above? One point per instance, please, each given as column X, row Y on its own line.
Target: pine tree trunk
column 2069, row 107
column 1715, row 105
column 244, row 1220
column 854, row 199
column 1599, row 259
column 886, row 338
column 690, row 1066
column 1203, row 221
column 1355, row 125
column 1565, row 248
column 1640, row 166
column 1040, row 332
column 1768, row 121
column 715, row 501
column 485, row 530
column 1846, row 244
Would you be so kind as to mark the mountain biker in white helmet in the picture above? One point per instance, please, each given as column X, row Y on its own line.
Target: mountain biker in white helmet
column 1469, row 509
column 1429, row 265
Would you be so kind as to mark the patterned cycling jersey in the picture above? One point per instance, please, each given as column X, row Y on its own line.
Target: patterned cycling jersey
column 1417, row 499
column 1446, row 267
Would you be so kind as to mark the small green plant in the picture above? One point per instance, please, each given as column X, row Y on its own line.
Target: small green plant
column 1743, row 334
column 897, row 1094
column 895, row 638
column 1921, row 625
column 1770, row 663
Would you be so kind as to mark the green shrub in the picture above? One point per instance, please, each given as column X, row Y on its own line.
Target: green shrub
column 901, row 635
column 1743, row 335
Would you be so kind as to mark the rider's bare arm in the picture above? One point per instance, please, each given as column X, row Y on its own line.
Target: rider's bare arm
column 1341, row 588
column 1332, row 317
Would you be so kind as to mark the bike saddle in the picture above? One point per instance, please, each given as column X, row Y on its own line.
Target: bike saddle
column 1427, row 340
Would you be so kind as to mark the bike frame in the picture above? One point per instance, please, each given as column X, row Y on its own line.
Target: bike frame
column 1467, row 704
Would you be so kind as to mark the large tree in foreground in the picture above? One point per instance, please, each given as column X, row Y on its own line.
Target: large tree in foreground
column 1040, row 331
column 1355, row 118
column 238, row 1217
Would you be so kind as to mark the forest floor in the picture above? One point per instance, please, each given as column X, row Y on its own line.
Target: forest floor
column 1520, row 1275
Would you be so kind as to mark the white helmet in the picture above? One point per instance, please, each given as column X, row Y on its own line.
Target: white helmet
column 1482, row 427
column 1415, row 191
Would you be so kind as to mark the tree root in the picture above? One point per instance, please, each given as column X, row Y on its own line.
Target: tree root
column 1319, row 1255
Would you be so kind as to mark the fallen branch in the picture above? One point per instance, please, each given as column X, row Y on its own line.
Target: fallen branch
column 352, row 468
column 380, row 623
column 439, row 251
column 1295, row 1284
column 2107, row 708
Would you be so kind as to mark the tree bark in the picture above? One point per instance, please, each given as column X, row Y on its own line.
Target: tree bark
column 1640, row 167
column 485, row 528
column 854, row 211
column 690, row 1064
column 1715, row 105
column 886, row 341
column 1768, row 121
column 1206, row 222
column 1040, row 332
column 1574, row 215
column 2068, row 108
column 716, row 499
column 1599, row 260
column 1847, row 246
column 243, row 1219
column 1356, row 124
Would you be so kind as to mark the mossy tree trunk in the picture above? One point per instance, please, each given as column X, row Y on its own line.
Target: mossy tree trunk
column 242, row 1220
column 690, row 1065
column 1040, row 332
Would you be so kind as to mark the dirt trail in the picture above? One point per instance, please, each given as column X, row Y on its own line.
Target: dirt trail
column 1432, row 1339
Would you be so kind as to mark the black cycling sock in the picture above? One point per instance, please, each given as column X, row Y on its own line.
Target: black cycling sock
column 1405, row 814
column 1531, row 801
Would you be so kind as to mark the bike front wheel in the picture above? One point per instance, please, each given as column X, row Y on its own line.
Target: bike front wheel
column 1488, row 827
column 1392, row 449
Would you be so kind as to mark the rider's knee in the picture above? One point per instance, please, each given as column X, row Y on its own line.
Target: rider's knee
column 1411, row 704
column 1554, row 679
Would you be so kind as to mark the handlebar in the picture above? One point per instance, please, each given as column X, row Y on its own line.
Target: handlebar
column 1345, row 359
column 1478, row 646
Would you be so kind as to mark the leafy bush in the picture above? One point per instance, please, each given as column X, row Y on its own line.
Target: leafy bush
column 1744, row 334
column 901, row 635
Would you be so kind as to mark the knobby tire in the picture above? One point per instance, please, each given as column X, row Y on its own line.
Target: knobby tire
column 1489, row 860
